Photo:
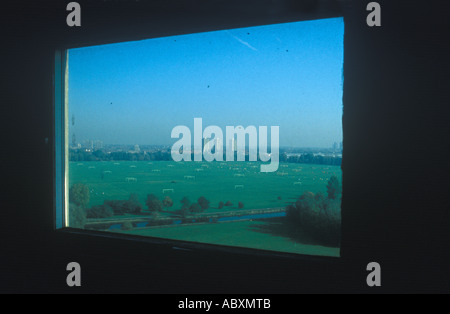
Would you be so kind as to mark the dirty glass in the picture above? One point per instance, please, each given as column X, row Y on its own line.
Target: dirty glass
column 231, row 137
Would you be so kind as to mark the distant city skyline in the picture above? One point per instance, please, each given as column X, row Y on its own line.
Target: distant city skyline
column 98, row 144
column 288, row 75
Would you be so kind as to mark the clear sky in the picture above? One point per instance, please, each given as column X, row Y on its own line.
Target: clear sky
column 287, row 75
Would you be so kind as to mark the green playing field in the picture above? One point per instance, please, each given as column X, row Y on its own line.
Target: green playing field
column 217, row 181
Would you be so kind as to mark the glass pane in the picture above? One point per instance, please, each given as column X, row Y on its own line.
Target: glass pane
column 230, row 137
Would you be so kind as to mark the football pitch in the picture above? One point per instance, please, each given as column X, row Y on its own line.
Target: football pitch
column 216, row 181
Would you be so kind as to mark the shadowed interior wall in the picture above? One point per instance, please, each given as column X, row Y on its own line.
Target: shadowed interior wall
column 395, row 187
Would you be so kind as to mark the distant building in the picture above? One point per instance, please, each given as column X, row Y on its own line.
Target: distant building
column 98, row 145
column 211, row 145
column 232, row 144
column 335, row 147
column 88, row 144
column 137, row 149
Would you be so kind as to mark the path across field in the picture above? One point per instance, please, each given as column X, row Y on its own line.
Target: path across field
column 216, row 217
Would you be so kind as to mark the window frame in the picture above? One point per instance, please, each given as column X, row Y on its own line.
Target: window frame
column 60, row 110
column 61, row 162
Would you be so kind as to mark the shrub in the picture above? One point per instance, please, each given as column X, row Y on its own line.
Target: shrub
column 127, row 225
column 167, row 202
column 228, row 203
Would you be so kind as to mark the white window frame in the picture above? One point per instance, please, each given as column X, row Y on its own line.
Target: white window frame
column 61, row 157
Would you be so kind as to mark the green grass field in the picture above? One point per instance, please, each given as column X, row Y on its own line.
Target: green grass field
column 217, row 181
column 269, row 234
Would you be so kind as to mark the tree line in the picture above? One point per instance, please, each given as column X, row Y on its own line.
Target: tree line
column 79, row 211
column 100, row 155
column 309, row 158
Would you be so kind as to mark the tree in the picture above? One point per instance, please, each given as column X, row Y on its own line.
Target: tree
column 127, row 225
column 240, row 205
column 317, row 216
column 228, row 203
column 153, row 203
column 184, row 211
column 167, row 202
column 333, row 188
column 319, row 197
column 79, row 194
column 133, row 204
column 77, row 216
column 195, row 208
column 100, row 211
column 221, row 204
column 99, row 154
column 185, row 203
column 119, row 207
column 203, row 202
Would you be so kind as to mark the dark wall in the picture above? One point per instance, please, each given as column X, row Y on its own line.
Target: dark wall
column 396, row 128
column 396, row 148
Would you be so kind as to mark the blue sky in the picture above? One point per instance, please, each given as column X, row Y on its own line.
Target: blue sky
column 288, row 75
